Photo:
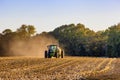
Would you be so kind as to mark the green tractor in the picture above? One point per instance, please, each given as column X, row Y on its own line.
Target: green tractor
column 54, row 51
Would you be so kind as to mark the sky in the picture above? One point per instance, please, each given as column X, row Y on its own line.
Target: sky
column 46, row 15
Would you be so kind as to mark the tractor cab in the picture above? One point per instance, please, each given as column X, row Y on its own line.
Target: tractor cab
column 53, row 51
column 52, row 48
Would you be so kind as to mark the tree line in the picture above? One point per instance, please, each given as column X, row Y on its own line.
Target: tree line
column 23, row 33
column 24, row 42
column 77, row 40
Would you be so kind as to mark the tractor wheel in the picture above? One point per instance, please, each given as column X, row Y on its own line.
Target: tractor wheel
column 56, row 55
column 49, row 56
column 62, row 54
column 46, row 54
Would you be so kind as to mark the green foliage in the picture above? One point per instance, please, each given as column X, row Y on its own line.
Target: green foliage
column 26, row 31
column 77, row 40
column 114, row 41
column 7, row 31
column 80, row 41
column 7, row 36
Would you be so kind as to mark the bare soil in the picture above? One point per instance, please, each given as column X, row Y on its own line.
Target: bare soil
column 69, row 68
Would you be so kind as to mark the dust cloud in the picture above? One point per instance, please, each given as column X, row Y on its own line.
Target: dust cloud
column 32, row 47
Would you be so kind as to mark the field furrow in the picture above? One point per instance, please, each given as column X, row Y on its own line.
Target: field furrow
column 69, row 68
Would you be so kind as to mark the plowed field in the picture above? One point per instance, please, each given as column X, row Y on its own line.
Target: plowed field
column 69, row 68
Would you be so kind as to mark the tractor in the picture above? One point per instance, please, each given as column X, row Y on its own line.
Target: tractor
column 54, row 51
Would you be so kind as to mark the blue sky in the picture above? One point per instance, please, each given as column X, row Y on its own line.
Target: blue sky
column 46, row 15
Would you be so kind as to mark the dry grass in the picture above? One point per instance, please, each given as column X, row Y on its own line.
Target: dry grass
column 69, row 68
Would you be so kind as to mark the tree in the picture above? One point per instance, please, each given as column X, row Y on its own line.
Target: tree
column 26, row 31
column 114, row 41
column 7, row 31
column 31, row 30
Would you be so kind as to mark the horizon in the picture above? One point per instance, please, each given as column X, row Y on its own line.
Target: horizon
column 46, row 15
